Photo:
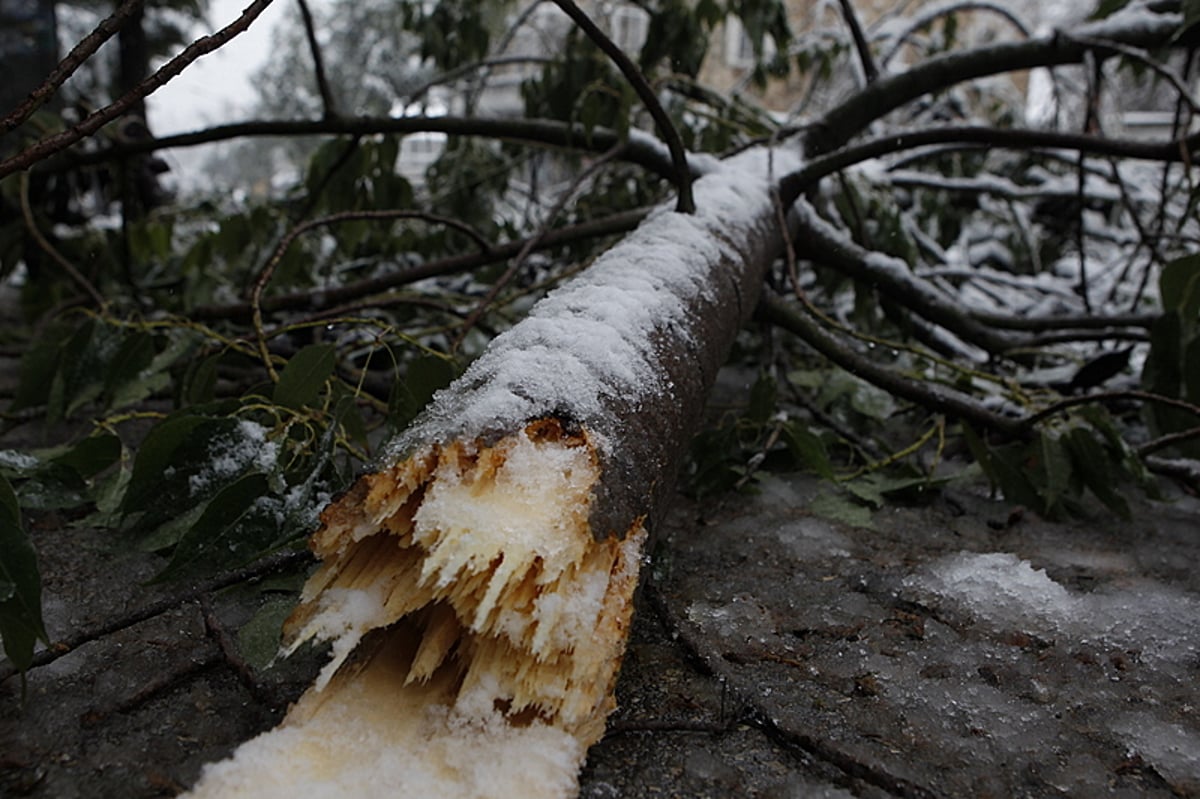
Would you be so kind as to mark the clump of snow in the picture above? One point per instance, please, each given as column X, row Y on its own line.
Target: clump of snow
column 347, row 614
column 598, row 337
column 1009, row 593
column 245, row 448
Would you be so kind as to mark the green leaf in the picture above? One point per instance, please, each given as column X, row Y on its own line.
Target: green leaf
column 200, row 382
column 1179, row 287
column 240, row 523
column 259, row 638
column 301, row 380
column 762, row 401
column 92, row 455
column 1096, row 466
column 1191, row 371
column 21, row 624
column 808, row 448
column 154, row 457
column 134, row 356
column 1057, row 466
column 839, row 508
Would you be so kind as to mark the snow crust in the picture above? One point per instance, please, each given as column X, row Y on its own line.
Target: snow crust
column 596, row 338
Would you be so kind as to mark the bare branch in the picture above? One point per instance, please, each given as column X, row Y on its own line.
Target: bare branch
column 929, row 395
column 798, row 182
column 98, row 119
column 80, row 53
column 870, row 70
column 887, row 94
column 326, row 297
column 310, row 32
column 927, row 18
column 666, row 129
column 643, row 150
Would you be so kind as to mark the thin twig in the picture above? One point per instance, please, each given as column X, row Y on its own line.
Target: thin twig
column 267, row 565
column 615, row 223
column 101, row 117
column 686, row 203
column 268, row 269
column 791, row 186
column 861, row 45
column 233, row 658
column 644, row 150
column 58, row 258
column 933, row 396
column 1109, row 396
column 924, row 20
column 80, row 53
column 530, row 243
column 327, row 103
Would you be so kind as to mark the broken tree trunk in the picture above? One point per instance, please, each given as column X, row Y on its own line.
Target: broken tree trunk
column 477, row 586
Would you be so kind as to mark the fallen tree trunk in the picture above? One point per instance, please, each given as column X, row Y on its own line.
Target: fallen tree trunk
column 477, row 587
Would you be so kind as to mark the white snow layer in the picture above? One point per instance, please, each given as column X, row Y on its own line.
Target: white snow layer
column 1008, row 593
column 595, row 337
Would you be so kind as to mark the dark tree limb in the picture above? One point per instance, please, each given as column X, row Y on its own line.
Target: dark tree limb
column 791, row 186
column 861, row 45
column 683, row 176
column 318, row 299
column 891, row 278
column 941, row 72
column 645, row 151
column 328, row 104
column 925, row 19
column 924, row 393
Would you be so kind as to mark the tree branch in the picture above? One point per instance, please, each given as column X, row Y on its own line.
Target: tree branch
column 683, row 176
column 922, row 20
column 310, row 32
column 929, row 395
column 80, row 53
column 887, row 94
column 870, row 70
column 891, row 278
column 98, row 119
column 643, row 150
column 322, row 298
column 800, row 181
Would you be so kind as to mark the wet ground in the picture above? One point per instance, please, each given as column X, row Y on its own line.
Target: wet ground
column 956, row 649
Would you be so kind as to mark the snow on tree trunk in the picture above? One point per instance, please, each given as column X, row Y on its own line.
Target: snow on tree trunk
column 477, row 587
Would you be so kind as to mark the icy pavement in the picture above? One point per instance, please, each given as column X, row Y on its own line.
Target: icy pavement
column 946, row 652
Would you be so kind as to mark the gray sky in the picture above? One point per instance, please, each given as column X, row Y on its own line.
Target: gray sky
column 216, row 88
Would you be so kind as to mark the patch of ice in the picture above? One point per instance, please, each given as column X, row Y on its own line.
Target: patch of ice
column 1172, row 749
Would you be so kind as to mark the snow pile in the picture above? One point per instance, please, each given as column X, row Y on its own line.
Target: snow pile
column 1009, row 594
